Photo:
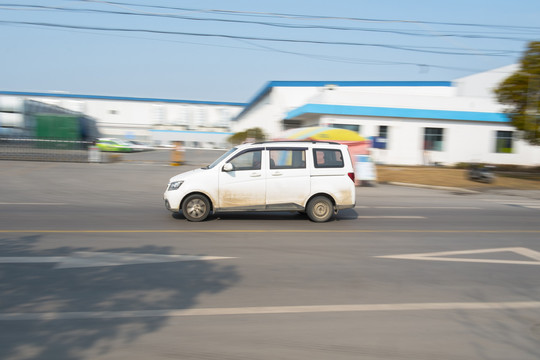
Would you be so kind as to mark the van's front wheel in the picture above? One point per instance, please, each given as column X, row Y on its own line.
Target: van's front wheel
column 320, row 209
column 196, row 207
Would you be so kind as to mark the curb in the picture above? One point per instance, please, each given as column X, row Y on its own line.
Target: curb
column 449, row 188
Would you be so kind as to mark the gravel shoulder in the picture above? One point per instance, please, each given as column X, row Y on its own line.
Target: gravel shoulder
column 437, row 176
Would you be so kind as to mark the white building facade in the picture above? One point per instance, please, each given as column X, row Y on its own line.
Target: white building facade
column 146, row 119
column 410, row 123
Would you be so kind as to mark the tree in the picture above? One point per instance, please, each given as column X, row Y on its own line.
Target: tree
column 253, row 134
column 521, row 93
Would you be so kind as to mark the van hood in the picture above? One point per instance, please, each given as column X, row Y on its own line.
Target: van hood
column 186, row 174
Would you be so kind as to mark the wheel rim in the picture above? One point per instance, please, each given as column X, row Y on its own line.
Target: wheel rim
column 196, row 208
column 321, row 210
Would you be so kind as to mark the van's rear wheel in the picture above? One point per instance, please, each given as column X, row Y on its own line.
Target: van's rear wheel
column 196, row 207
column 320, row 209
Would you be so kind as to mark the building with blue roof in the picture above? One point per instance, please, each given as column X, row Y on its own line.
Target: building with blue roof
column 158, row 121
column 409, row 122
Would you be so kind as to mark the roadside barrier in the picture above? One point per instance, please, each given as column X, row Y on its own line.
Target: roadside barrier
column 30, row 149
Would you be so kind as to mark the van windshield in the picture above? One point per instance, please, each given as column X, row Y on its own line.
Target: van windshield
column 218, row 160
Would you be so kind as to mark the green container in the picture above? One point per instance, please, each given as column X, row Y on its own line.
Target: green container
column 55, row 131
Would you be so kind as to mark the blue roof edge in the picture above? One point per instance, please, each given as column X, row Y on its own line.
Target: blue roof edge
column 358, row 83
column 124, row 98
column 397, row 112
column 279, row 83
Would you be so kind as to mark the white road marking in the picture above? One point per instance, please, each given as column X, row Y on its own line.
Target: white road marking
column 442, row 256
column 420, row 207
column 389, row 217
column 277, row 231
column 503, row 201
column 530, row 204
column 430, row 207
column 82, row 259
column 262, row 310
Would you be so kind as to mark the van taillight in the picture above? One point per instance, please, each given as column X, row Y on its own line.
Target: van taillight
column 351, row 175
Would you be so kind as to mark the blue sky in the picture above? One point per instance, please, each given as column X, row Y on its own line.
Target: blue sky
column 190, row 50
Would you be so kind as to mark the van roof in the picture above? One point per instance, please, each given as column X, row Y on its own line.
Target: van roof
column 296, row 142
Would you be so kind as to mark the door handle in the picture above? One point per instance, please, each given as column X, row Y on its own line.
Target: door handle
column 277, row 173
column 255, row 174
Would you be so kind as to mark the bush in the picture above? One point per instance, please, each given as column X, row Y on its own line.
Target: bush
column 253, row 134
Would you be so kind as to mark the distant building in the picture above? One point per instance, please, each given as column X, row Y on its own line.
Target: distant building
column 409, row 122
column 23, row 118
column 205, row 123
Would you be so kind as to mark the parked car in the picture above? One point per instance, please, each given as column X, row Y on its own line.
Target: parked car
column 138, row 145
column 481, row 173
column 312, row 177
column 115, row 145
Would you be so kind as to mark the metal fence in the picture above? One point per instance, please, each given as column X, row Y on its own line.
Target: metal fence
column 47, row 150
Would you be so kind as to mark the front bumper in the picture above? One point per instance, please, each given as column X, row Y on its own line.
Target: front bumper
column 170, row 204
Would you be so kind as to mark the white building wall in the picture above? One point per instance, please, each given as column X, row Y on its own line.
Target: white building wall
column 407, row 101
column 268, row 112
column 463, row 141
column 135, row 119
column 406, row 96
column 483, row 84
column 12, row 104
column 260, row 116
column 271, row 109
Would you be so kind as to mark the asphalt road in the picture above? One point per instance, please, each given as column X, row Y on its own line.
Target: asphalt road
column 92, row 266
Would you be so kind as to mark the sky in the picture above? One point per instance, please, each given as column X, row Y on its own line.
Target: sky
column 227, row 51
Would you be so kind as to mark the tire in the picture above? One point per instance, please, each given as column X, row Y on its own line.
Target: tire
column 320, row 209
column 196, row 207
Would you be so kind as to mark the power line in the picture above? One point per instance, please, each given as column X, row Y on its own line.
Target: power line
column 468, row 35
column 355, row 60
column 260, row 47
column 311, row 17
column 421, row 49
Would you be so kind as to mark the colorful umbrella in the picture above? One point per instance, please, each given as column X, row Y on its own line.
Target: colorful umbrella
column 357, row 144
column 322, row 133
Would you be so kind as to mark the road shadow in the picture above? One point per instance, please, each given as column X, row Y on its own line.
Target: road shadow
column 31, row 288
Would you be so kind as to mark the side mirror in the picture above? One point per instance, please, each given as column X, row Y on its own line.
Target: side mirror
column 228, row 167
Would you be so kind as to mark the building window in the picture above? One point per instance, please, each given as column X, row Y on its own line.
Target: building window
column 355, row 128
column 159, row 114
column 504, row 142
column 433, row 139
column 224, row 118
column 201, row 116
column 381, row 141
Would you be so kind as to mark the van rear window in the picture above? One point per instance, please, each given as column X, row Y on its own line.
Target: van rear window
column 328, row 158
column 287, row 159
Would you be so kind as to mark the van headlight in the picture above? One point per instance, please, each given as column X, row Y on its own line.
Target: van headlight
column 174, row 185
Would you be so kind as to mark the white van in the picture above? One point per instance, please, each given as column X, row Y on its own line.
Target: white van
column 312, row 177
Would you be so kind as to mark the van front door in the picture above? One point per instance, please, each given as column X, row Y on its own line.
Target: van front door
column 242, row 186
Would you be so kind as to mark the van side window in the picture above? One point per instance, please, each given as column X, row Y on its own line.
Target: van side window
column 250, row 160
column 287, row 159
column 328, row 158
